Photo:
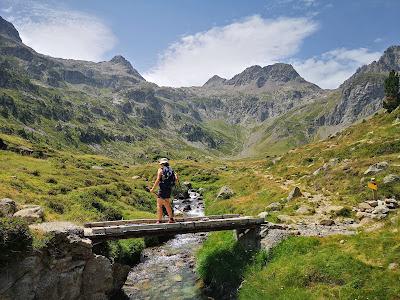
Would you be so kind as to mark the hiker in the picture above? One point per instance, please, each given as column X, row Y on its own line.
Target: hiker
column 166, row 179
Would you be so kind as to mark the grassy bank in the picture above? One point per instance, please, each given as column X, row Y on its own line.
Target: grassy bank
column 356, row 267
column 364, row 266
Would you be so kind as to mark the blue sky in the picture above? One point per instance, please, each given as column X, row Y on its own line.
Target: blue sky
column 184, row 42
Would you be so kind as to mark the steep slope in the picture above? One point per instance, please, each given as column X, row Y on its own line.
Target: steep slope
column 362, row 93
column 109, row 108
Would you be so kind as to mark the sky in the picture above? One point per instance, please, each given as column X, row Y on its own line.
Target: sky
column 185, row 42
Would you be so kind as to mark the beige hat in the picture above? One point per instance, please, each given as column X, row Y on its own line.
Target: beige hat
column 163, row 161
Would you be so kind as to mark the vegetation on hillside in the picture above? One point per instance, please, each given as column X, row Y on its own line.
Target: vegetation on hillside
column 335, row 267
column 392, row 93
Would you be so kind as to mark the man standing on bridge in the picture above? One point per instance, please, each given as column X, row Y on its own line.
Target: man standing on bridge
column 166, row 179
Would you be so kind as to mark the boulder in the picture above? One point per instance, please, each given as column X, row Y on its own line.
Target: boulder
column 187, row 185
column 304, row 210
column 391, row 178
column 393, row 266
column 263, row 214
column 327, row 222
column 274, row 206
column 135, row 177
column 361, row 215
column 319, row 170
column 333, row 209
column 380, row 210
column 65, row 268
column 373, row 203
column 295, row 193
column 284, row 219
column 7, row 207
column 98, row 270
column 97, row 168
column 58, row 227
column 225, row 192
column 31, row 213
column 376, row 168
column 391, row 203
column 178, row 213
column 363, row 206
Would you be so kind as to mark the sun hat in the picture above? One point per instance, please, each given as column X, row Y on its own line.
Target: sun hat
column 163, row 161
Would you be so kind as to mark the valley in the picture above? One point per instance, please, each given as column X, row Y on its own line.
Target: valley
column 79, row 142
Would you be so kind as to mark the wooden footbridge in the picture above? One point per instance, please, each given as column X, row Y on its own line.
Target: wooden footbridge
column 247, row 228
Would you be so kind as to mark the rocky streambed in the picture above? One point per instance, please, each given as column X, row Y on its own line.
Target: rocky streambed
column 167, row 271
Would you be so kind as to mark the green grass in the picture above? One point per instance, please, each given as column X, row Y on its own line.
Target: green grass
column 221, row 263
column 323, row 268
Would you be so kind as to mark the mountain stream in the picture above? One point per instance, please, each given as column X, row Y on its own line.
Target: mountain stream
column 167, row 271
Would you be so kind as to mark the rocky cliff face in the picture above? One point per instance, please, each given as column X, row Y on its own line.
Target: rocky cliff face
column 362, row 93
column 65, row 269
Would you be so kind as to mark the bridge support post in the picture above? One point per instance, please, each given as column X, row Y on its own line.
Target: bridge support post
column 249, row 238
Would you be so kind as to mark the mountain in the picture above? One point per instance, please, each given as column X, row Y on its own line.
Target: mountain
column 109, row 108
column 8, row 30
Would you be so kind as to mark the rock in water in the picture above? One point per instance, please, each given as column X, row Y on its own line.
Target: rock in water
column 31, row 213
column 187, row 208
column 376, row 168
column 295, row 193
column 225, row 192
column 7, row 207
column 187, row 185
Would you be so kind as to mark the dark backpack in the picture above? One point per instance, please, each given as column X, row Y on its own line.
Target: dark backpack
column 168, row 177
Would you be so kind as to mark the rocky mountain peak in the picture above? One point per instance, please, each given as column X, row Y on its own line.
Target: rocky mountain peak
column 119, row 59
column 281, row 72
column 214, row 81
column 278, row 72
column 122, row 61
column 391, row 58
column 7, row 29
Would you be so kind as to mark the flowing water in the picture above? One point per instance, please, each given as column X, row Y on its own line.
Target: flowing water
column 167, row 271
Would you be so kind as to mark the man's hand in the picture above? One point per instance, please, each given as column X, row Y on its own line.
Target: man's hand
column 152, row 190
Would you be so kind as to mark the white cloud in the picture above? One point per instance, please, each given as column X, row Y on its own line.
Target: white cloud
column 60, row 32
column 330, row 69
column 229, row 49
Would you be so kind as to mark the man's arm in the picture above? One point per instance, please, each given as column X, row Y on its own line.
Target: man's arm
column 159, row 172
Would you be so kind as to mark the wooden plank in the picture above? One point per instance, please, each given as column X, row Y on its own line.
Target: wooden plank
column 135, row 230
column 151, row 221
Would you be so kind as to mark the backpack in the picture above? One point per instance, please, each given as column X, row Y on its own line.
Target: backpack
column 168, row 177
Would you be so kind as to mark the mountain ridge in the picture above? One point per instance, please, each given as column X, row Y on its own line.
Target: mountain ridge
column 258, row 109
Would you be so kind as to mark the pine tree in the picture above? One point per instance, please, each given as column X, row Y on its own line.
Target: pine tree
column 392, row 97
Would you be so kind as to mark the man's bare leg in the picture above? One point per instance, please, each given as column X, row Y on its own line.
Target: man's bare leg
column 159, row 209
column 167, row 205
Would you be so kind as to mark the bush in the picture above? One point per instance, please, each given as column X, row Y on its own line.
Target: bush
column 111, row 214
column 125, row 252
column 221, row 263
column 56, row 206
column 15, row 239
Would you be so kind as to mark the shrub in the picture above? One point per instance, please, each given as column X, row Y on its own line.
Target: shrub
column 221, row 263
column 51, row 180
column 125, row 252
column 15, row 239
column 56, row 206
column 111, row 214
